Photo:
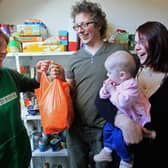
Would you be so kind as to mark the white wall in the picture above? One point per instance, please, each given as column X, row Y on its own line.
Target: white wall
column 126, row 14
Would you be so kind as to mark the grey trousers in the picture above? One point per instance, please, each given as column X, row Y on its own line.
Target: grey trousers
column 83, row 143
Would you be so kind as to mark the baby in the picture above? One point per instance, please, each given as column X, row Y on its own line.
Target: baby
column 121, row 88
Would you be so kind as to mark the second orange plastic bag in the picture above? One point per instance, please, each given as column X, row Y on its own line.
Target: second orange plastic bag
column 55, row 105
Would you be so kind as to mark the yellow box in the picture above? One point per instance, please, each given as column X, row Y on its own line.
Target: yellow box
column 40, row 47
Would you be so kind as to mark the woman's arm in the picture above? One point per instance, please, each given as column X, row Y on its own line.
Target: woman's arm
column 132, row 132
column 106, row 109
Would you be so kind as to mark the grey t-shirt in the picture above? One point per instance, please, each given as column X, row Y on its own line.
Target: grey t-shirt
column 89, row 73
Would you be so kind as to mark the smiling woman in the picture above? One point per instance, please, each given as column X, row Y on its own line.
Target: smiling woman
column 140, row 47
column 153, row 54
column 153, row 80
column 151, row 38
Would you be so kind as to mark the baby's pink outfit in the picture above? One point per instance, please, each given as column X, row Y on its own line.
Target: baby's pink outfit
column 129, row 100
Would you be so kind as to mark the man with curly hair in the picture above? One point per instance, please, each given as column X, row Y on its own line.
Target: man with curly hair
column 85, row 74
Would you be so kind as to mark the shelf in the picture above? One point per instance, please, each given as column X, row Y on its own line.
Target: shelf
column 32, row 117
column 27, row 116
column 40, row 53
column 50, row 153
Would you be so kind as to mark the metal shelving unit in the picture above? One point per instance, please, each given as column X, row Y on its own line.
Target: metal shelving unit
column 50, row 153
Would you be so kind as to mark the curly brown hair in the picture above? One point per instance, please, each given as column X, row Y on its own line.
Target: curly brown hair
column 96, row 13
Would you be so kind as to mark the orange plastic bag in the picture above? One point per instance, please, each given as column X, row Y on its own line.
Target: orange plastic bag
column 44, row 83
column 55, row 105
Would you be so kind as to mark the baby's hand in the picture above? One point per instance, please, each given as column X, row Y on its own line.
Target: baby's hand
column 109, row 85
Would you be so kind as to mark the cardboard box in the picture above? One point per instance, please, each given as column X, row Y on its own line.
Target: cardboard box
column 40, row 47
column 32, row 38
column 63, row 37
column 32, row 30
column 73, row 46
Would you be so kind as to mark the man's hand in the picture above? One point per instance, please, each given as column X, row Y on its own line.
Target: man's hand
column 56, row 70
column 132, row 132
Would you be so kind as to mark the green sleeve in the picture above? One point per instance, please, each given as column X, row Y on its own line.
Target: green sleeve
column 23, row 83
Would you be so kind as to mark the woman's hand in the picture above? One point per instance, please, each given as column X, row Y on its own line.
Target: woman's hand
column 42, row 66
column 132, row 132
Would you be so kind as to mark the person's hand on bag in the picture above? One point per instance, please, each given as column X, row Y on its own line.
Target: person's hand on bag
column 56, row 70
column 132, row 132
column 42, row 66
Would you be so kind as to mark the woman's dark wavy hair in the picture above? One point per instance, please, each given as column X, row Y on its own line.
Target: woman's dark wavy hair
column 156, row 35
column 94, row 9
